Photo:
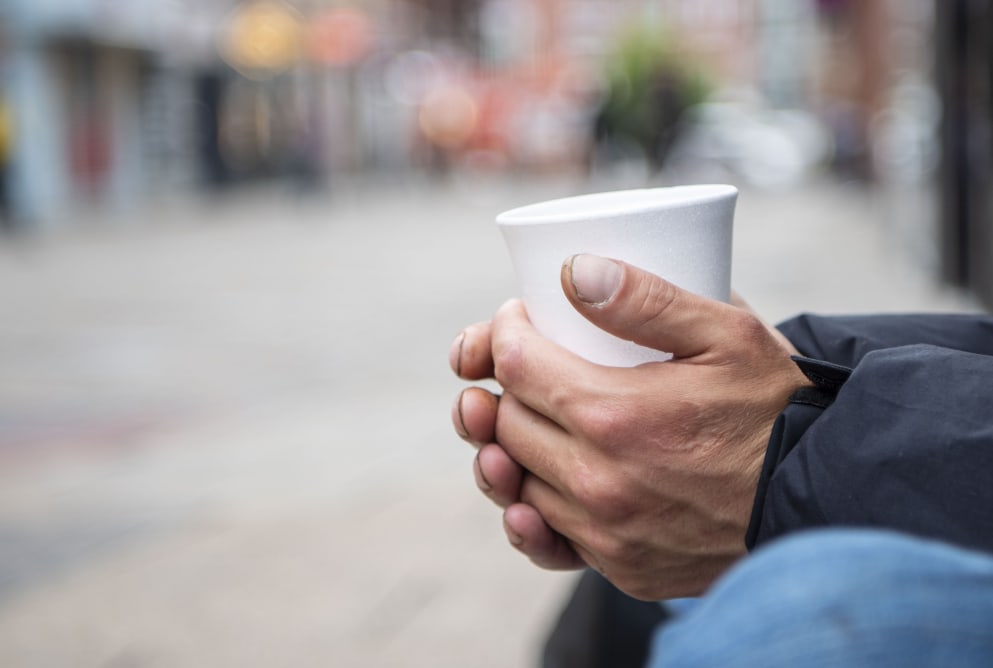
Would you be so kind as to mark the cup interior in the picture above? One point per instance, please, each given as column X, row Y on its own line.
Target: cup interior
column 608, row 204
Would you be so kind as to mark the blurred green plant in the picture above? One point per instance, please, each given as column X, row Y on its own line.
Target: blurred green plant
column 651, row 79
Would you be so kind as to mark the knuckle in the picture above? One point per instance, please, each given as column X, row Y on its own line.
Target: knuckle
column 747, row 328
column 562, row 397
column 610, row 552
column 606, row 425
column 588, row 489
column 622, row 561
column 656, row 300
column 599, row 426
column 603, row 499
column 508, row 362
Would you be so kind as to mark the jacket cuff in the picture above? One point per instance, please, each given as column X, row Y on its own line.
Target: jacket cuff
column 804, row 407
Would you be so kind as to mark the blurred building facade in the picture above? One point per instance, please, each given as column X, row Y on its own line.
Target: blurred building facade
column 110, row 102
column 67, row 97
column 96, row 101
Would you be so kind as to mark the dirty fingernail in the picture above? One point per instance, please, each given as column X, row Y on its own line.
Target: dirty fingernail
column 455, row 354
column 594, row 278
column 457, row 418
column 481, row 480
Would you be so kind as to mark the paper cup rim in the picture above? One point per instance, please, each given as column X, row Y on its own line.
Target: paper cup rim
column 614, row 203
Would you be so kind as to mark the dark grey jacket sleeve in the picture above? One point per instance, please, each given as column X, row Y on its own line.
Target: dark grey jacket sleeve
column 898, row 435
column 845, row 340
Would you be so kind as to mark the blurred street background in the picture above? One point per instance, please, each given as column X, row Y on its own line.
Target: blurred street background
column 238, row 238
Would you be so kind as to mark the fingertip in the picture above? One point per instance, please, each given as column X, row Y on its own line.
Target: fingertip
column 498, row 475
column 517, row 522
column 470, row 355
column 530, row 535
column 474, row 415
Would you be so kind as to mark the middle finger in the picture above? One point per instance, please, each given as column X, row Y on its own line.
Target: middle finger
column 535, row 442
column 474, row 415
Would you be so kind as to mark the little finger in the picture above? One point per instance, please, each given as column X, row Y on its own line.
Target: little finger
column 528, row 533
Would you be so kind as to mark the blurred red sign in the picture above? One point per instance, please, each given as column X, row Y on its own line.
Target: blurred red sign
column 340, row 36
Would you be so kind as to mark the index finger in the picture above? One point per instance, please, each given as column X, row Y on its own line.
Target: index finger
column 540, row 373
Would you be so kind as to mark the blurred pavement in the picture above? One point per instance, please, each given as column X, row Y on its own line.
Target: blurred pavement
column 224, row 428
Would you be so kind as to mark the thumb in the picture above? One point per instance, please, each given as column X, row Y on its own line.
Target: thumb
column 635, row 305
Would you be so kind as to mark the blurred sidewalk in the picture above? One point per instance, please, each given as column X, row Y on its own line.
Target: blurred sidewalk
column 224, row 429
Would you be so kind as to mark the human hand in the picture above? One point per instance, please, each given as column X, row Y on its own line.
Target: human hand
column 647, row 473
column 497, row 475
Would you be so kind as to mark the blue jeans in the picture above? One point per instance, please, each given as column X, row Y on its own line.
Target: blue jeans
column 851, row 598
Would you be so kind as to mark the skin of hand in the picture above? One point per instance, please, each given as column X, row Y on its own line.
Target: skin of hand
column 647, row 473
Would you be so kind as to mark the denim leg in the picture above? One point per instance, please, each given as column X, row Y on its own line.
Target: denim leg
column 852, row 598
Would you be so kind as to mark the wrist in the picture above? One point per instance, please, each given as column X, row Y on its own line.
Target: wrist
column 809, row 400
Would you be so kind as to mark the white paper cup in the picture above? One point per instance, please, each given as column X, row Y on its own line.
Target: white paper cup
column 682, row 234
